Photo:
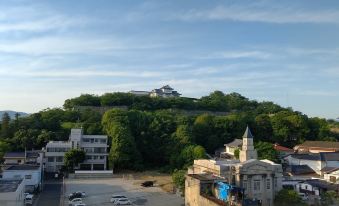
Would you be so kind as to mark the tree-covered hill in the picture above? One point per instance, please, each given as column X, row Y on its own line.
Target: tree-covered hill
column 151, row 133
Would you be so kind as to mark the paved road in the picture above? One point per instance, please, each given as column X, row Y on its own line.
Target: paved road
column 50, row 196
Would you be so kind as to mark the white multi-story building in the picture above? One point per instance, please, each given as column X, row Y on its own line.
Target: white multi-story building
column 95, row 147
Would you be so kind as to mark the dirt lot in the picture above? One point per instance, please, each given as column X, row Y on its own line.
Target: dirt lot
column 99, row 191
column 164, row 181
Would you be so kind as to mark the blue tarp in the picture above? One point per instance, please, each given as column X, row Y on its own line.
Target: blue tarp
column 224, row 189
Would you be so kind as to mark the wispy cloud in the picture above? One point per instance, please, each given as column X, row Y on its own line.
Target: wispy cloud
column 262, row 13
column 238, row 54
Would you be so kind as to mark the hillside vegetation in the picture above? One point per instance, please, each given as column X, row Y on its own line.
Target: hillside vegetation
column 151, row 134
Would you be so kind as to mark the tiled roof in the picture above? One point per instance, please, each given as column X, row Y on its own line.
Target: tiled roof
column 306, row 156
column 14, row 154
column 235, row 143
column 299, row 169
column 23, row 167
column 320, row 144
column 321, row 184
column 281, row 148
column 329, row 169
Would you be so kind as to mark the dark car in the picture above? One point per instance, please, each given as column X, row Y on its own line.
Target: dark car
column 74, row 195
column 147, row 184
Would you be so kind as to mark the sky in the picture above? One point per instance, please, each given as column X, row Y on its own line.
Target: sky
column 281, row 51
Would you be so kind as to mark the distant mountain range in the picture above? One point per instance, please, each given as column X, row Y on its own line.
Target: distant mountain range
column 12, row 114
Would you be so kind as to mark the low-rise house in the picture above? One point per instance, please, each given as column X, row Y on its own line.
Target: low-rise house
column 317, row 147
column 299, row 172
column 315, row 187
column 331, row 174
column 165, row 91
column 31, row 175
column 233, row 146
column 259, row 179
column 12, row 192
column 316, row 161
column 282, row 151
column 27, row 157
column 95, row 147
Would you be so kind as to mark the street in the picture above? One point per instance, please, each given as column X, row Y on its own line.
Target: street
column 50, row 195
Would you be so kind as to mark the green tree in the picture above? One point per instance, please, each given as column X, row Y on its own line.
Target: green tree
column 4, row 147
column 237, row 153
column 5, row 129
column 266, row 151
column 287, row 197
column 328, row 198
column 178, row 177
column 73, row 158
column 187, row 156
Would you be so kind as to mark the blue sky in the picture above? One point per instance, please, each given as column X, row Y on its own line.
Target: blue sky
column 282, row 51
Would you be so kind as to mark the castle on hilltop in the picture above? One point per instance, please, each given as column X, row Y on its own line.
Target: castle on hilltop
column 165, row 91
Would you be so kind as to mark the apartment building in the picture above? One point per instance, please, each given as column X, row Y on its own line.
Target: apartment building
column 95, row 147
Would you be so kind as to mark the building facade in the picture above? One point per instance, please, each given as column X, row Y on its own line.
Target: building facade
column 165, row 91
column 95, row 147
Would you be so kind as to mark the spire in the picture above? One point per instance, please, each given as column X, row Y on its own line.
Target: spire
column 247, row 133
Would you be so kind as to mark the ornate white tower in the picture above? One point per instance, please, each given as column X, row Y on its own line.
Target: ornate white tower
column 247, row 152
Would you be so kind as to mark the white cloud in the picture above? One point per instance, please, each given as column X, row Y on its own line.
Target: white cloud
column 262, row 13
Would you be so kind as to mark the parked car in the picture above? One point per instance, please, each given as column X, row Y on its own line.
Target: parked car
column 80, row 204
column 75, row 201
column 147, row 184
column 117, row 197
column 74, row 195
column 29, row 199
column 122, row 201
column 83, row 194
column 303, row 196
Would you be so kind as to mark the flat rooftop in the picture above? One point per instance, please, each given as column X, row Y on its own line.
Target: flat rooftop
column 9, row 185
column 23, row 167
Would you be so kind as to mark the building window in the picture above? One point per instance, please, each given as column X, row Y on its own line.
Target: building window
column 50, row 159
column 17, row 176
column 256, row 185
column 275, row 183
column 268, row 184
column 28, row 176
column 305, row 187
column 244, row 184
column 103, row 141
column 59, row 159
column 102, row 157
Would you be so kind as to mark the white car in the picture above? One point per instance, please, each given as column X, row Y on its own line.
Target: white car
column 117, row 197
column 29, row 199
column 75, row 201
column 80, row 204
column 122, row 201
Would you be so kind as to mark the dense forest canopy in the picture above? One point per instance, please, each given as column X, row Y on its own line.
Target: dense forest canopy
column 151, row 133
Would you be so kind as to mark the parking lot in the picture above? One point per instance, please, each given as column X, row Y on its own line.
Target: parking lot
column 99, row 192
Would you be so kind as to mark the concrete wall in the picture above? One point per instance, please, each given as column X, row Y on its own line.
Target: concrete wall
column 192, row 194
